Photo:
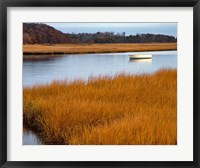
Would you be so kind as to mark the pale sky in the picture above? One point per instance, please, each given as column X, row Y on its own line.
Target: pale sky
column 128, row 28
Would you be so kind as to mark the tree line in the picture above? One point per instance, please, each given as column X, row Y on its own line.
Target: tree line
column 34, row 33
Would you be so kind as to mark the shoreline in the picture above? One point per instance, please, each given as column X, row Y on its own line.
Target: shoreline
column 61, row 49
column 44, row 56
column 62, row 53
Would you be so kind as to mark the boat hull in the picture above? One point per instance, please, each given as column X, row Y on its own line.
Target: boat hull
column 138, row 56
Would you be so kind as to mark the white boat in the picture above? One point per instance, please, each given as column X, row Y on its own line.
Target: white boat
column 140, row 56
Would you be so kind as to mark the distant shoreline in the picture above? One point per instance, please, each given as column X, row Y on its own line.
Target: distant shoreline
column 59, row 49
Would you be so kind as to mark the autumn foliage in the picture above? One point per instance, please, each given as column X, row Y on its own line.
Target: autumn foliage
column 35, row 33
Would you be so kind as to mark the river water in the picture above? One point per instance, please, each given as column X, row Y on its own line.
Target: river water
column 71, row 67
column 30, row 138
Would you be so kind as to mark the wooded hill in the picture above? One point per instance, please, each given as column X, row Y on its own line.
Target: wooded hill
column 34, row 33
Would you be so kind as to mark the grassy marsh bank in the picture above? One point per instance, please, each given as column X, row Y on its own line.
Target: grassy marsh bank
column 125, row 109
column 95, row 48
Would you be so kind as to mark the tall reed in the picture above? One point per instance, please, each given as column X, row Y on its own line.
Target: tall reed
column 124, row 109
column 96, row 48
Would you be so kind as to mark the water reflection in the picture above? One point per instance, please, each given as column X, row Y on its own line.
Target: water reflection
column 141, row 60
column 83, row 66
column 40, row 58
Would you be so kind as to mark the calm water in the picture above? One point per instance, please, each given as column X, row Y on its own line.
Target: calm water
column 83, row 66
column 30, row 138
column 76, row 66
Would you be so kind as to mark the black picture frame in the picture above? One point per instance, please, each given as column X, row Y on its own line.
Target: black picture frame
column 99, row 3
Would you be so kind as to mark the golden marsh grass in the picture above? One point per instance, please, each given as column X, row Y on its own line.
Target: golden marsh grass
column 96, row 48
column 119, row 110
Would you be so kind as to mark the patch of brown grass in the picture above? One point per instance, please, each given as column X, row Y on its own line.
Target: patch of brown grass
column 124, row 109
column 96, row 48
